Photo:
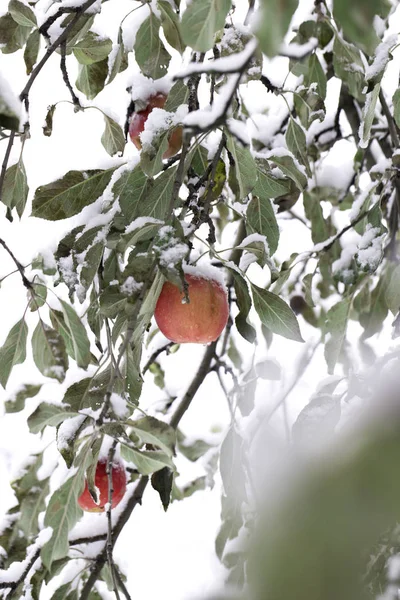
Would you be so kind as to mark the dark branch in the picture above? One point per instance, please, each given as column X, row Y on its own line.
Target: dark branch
column 63, row 65
column 20, row 268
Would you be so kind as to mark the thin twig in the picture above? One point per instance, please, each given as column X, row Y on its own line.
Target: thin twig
column 391, row 123
column 19, row 266
column 194, row 386
column 155, row 355
column 63, row 66
column 15, row 584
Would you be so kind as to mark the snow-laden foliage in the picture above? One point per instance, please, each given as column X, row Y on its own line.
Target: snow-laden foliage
column 282, row 112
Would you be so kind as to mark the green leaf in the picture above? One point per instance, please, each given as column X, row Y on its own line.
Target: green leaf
column 113, row 138
column 91, row 265
column 92, row 49
column 67, row 196
column 49, row 352
column 316, row 74
column 15, row 189
column 13, row 36
column 195, row 449
column 368, row 115
column 152, row 196
column 152, row 431
column 307, row 288
column 201, row 21
column 177, row 95
column 151, row 157
column 260, row 218
column 349, row 66
column 392, row 294
column 244, row 171
column 22, row 14
column 150, row 53
column 243, row 300
column 296, row 143
column 357, row 20
column 288, row 166
column 63, row 511
column 48, row 415
column 274, row 22
column 58, row 322
column 119, row 62
column 79, row 336
column 91, row 78
column 31, row 493
column 336, row 326
column 313, row 210
column 170, row 25
column 396, row 107
column 17, row 401
column 276, row 314
column 31, row 51
column 374, row 315
column 146, row 461
column 85, row 393
column 13, row 352
column 112, row 302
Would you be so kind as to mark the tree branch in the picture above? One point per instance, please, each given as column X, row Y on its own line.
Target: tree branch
column 194, row 386
column 63, row 66
column 20, row 268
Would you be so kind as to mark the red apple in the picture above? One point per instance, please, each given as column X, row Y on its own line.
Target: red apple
column 138, row 120
column 118, row 475
column 201, row 320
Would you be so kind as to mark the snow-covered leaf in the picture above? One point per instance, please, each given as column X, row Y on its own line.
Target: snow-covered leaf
column 47, row 415
column 49, row 352
column 67, row 196
column 155, row 432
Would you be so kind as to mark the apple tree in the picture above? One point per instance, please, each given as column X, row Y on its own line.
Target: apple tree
column 251, row 203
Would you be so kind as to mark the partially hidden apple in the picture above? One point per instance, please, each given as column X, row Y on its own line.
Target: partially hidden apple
column 200, row 321
column 118, row 475
column 138, row 120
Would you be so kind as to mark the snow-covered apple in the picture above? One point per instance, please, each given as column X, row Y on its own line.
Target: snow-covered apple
column 201, row 320
column 138, row 121
column 118, row 475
